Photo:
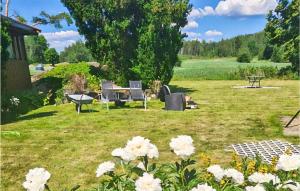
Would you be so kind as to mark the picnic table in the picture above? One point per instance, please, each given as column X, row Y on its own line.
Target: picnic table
column 253, row 79
column 79, row 100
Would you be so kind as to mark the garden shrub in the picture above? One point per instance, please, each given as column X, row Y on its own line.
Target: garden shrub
column 14, row 104
column 244, row 56
column 133, row 168
column 288, row 73
column 62, row 78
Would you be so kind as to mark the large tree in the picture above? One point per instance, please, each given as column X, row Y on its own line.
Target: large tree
column 35, row 48
column 76, row 52
column 282, row 29
column 136, row 39
column 51, row 56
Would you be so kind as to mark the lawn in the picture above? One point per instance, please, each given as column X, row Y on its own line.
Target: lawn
column 215, row 69
column 70, row 146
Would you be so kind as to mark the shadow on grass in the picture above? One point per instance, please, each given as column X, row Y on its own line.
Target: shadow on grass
column 37, row 115
column 87, row 111
column 175, row 88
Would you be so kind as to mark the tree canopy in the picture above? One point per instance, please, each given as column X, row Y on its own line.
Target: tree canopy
column 136, row 39
column 76, row 52
column 51, row 56
column 282, row 30
column 35, row 48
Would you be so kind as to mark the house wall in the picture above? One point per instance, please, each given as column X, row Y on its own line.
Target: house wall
column 17, row 69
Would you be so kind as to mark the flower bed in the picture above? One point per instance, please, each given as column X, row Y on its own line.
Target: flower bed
column 133, row 168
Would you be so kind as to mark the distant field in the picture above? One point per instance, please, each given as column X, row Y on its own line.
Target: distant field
column 214, row 69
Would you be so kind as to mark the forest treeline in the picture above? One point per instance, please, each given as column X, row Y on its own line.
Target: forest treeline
column 254, row 43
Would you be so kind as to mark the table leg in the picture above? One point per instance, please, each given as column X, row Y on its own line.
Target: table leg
column 78, row 108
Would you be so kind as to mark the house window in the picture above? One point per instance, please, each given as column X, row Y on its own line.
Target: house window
column 17, row 48
column 11, row 51
column 21, row 47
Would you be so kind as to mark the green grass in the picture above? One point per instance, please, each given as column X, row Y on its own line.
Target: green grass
column 71, row 146
column 214, row 69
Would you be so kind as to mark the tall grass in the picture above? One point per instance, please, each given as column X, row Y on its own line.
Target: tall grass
column 225, row 69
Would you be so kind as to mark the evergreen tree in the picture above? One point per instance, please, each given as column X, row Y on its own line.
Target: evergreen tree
column 136, row 39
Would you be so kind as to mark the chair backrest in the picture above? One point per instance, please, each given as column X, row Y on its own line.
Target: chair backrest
column 164, row 91
column 106, row 85
column 175, row 101
column 135, row 84
column 107, row 92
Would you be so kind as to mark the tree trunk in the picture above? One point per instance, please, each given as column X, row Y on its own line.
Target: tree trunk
column 6, row 7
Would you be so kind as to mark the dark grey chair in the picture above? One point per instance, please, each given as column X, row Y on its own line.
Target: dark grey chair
column 163, row 92
column 135, row 84
column 107, row 94
column 173, row 101
column 136, row 92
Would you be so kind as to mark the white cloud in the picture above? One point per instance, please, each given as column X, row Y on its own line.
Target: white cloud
column 191, row 25
column 197, row 13
column 245, row 7
column 211, row 33
column 235, row 8
column 60, row 40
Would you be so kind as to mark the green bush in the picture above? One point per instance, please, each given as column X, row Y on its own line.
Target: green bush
column 58, row 79
column 288, row 73
column 244, row 56
column 64, row 72
column 12, row 105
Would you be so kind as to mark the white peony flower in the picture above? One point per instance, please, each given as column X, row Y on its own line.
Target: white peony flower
column 258, row 177
column 217, row 171
column 141, row 166
column 104, row 168
column 121, row 153
column 139, row 146
column 288, row 162
column 147, row 183
column 236, row 176
column 258, row 187
column 153, row 151
column 294, row 187
column 203, row 187
column 36, row 179
column 14, row 101
column 183, row 146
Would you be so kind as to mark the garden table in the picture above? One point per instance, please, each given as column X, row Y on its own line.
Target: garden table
column 79, row 100
column 122, row 93
column 253, row 80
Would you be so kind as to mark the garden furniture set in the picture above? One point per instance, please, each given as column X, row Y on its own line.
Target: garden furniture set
column 121, row 95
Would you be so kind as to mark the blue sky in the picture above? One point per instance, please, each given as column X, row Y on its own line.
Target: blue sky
column 210, row 20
